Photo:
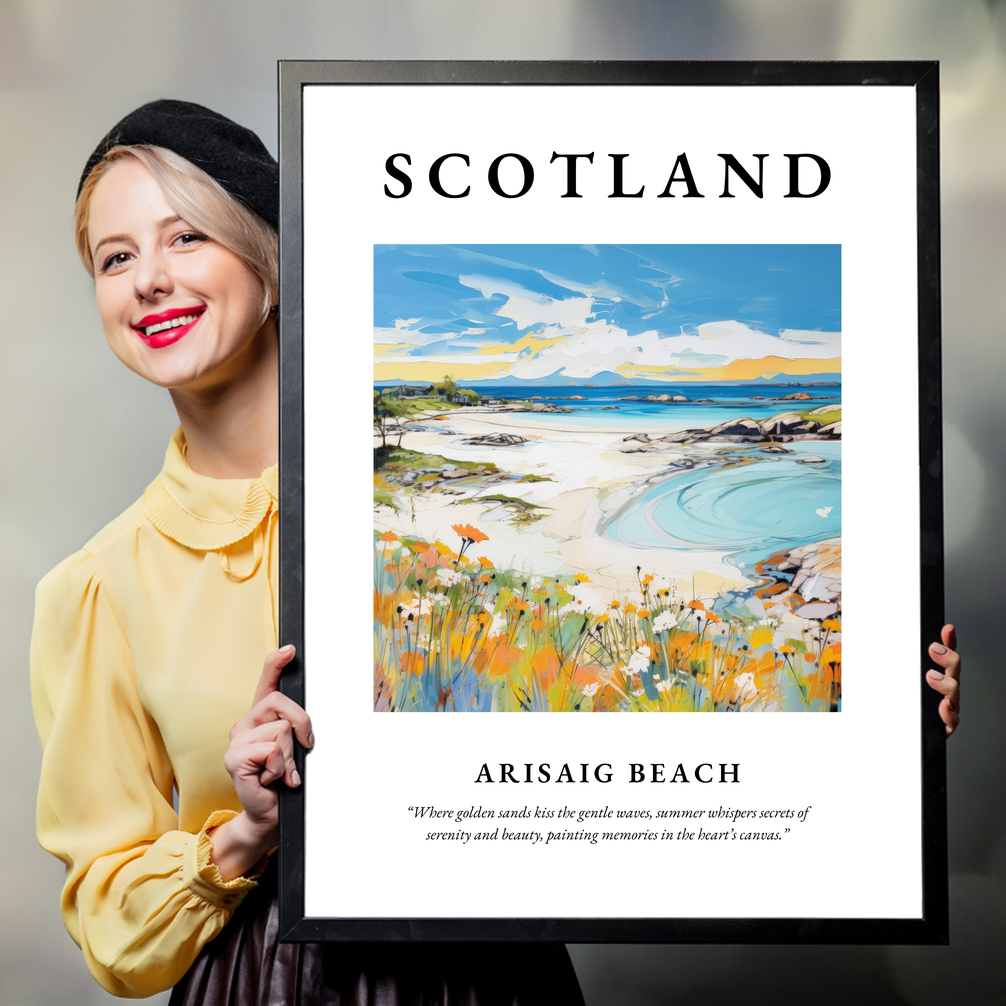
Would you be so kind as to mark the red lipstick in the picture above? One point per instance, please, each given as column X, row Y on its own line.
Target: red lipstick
column 166, row 327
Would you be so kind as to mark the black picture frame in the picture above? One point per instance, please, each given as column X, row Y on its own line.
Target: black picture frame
column 931, row 927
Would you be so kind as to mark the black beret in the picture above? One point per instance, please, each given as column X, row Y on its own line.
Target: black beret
column 230, row 154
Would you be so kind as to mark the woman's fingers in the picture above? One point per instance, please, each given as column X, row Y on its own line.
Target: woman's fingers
column 271, row 671
column 949, row 636
column 259, row 761
column 277, row 706
column 278, row 735
column 947, row 680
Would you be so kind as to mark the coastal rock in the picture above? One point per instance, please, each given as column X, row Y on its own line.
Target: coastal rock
column 816, row 610
column 746, row 427
column 631, row 398
column 804, row 577
column 822, row 409
column 812, row 459
column 577, row 398
column 800, row 396
column 496, row 440
column 784, row 422
column 775, row 449
column 447, row 433
column 832, row 430
column 604, row 408
column 642, row 437
column 548, row 407
column 664, row 398
column 684, row 436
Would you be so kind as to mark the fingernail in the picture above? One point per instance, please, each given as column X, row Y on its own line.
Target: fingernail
column 938, row 648
column 936, row 675
column 310, row 740
column 295, row 777
column 287, row 649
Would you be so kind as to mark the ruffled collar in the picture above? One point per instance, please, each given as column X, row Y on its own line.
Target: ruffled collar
column 203, row 513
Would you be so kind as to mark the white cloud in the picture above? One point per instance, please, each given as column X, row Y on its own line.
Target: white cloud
column 527, row 308
column 403, row 334
column 599, row 345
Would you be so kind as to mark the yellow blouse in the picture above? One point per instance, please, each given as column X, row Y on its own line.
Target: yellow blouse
column 147, row 647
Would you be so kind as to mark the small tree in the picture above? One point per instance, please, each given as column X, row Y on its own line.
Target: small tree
column 446, row 387
column 388, row 418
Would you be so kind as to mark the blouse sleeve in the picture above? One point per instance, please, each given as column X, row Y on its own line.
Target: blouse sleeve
column 141, row 898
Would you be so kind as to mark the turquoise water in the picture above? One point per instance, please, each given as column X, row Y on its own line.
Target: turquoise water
column 748, row 510
column 727, row 402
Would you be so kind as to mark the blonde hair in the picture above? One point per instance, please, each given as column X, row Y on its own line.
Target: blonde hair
column 199, row 200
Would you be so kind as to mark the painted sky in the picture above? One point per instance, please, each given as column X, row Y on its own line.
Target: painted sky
column 654, row 312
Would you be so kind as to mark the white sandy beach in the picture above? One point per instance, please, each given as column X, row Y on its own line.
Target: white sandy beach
column 589, row 477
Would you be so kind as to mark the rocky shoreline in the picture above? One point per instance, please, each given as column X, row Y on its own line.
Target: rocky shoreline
column 779, row 429
column 799, row 396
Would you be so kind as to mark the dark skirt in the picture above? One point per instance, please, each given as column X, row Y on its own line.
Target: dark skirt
column 246, row 965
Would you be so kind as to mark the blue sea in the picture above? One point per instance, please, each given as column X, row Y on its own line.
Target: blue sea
column 727, row 402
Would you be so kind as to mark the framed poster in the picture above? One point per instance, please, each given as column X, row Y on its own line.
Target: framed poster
column 566, row 475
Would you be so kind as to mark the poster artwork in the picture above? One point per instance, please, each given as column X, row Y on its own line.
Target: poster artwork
column 607, row 478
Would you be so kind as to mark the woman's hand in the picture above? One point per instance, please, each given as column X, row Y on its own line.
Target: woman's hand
column 947, row 682
column 260, row 753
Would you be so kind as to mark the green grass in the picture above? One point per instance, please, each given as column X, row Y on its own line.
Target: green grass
column 401, row 457
column 824, row 417
column 521, row 512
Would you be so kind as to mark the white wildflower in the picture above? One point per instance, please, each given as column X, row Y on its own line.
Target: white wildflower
column 449, row 577
column 665, row 620
column 591, row 689
column 639, row 662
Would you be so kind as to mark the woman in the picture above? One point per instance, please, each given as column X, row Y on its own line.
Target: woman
column 149, row 642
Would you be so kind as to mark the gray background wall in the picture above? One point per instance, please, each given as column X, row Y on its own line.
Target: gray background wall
column 81, row 436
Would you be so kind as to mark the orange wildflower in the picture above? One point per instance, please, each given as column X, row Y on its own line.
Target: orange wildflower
column 467, row 531
column 483, row 561
column 388, row 536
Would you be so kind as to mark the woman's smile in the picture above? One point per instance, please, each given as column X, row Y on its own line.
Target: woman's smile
column 166, row 327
